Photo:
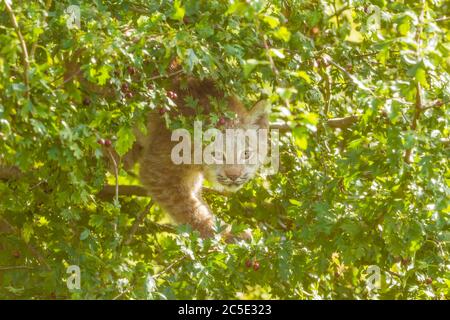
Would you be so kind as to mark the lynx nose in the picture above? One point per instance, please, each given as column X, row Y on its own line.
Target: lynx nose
column 233, row 173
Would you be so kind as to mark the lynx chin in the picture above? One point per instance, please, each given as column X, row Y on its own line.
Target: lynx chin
column 177, row 187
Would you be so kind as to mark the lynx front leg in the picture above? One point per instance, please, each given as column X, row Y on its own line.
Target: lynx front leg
column 193, row 211
column 178, row 193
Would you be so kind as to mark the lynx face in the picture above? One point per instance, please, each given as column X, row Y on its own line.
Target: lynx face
column 231, row 170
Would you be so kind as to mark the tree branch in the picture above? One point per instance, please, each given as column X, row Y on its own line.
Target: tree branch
column 108, row 191
column 25, row 61
column 139, row 219
column 48, row 4
column 116, row 174
column 170, row 75
column 335, row 123
column 151, row 226
column 4, row 268
column 342, row 122
column 418, row 104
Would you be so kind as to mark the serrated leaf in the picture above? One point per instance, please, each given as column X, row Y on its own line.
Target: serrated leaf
column 179, row 11
column 125, row 140
column 283, row 34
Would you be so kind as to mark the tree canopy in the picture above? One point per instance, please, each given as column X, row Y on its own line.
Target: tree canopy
column 359, row 91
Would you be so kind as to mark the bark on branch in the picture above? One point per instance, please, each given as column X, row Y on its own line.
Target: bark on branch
column 25, row 59
column 334, row 123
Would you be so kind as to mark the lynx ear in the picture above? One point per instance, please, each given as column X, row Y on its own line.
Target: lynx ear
column 259, row 114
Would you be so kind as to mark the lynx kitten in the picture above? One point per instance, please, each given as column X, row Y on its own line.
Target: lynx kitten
column 177, row 188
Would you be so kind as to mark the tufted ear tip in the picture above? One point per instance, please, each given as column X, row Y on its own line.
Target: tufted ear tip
column 259, row 114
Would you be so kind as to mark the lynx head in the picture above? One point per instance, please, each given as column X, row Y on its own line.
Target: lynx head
column 237, row 156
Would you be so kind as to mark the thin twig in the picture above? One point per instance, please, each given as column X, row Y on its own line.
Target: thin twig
column 342, row 122
column 334, row 123
column 151, row 226
column 170, row 75
column 48, row 4
column 274, row 67
column 69, row 78
column 116, row 174
column 418, row 108
column 338, row 12
column 140, row 217
column 394, row 274
column 170, row 267
column 26, row 63
column 4, row 268
column 355, row 80
column 109, row 191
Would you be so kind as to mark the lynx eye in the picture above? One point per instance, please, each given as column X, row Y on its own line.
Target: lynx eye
column 247, row 154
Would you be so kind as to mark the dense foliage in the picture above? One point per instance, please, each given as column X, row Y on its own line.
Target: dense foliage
column 370, row 188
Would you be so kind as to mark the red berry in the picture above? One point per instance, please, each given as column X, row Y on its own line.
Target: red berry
column 86, row 101
column 172, row 95
column 108, row 143
column 315, row 31
column 248, row 263
column 101, row 141
column 125, row 87
column 162, row 111
column 256, row 266
column 131, row 70
column 222, row 121
column 129, row 95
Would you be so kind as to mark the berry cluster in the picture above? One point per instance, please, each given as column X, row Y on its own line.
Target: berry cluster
column 104, row 142
column 252, row 263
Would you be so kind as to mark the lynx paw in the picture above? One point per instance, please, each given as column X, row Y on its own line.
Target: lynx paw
column 230, row 237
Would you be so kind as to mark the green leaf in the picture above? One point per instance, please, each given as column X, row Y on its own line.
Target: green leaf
column 277, row 53
column 125, row 140
column 283, row 34
column 273, row 22
column 418, row 71
column 192, row 59
column 27, row 231
column 179, row 11
column 250, row 65
column 304, row 76
column 300, row 138
column 238, row 7
column 295, row 202
column 85, row 234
